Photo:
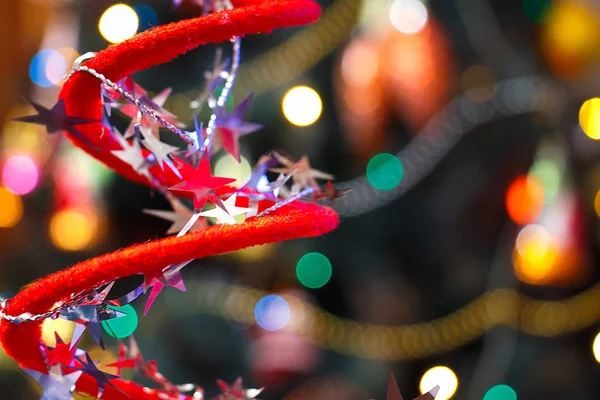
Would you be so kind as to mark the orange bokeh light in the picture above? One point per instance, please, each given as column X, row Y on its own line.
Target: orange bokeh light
column 524, row 200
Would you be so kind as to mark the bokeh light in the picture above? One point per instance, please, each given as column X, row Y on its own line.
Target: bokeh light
column 61, row 326
column 11, row 208
column 536, row 10
column 122, row 326
column 440, row 376
column 20, row 175
column 118, row 23
column 589, row 118
column 408, row 16
column 596, row 347
column 272, row 312
column 72, row 229
column 548, row 174
column 302, row 106
column 536, row 254
column 46, row 66
column 385, row 171
column 227, row 166
column 524, row 200
column 313, row 270
column 500, row 392
column 18, row 138
column 147, row 17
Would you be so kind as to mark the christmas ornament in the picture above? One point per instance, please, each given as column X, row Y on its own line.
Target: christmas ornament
column 100, row 82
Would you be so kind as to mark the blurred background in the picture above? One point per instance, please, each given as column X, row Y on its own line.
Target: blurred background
column 466, row 256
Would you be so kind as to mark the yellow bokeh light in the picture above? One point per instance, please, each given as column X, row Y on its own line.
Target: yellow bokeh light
column 596, row 347
column 11, row 208
column 118, row 23
column 536, row 261
column 63, row 327
column 227, row 166
column 597, row 203
column 533, row 242
column 72, row 230
column 440, row 376
column 302, row 106
column 589, row 118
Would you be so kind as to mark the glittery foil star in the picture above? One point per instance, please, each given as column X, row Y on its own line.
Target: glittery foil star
column 236, row 391
column 89, row 314
column 305, row 176
column 169, row 276
column 330, row 193
column 179, row 217
column 230, row 127
column 393, row 393
column 131, row 357
column 212, row 80
column 132, row 155
column 279, row 183
column 55, row 386
column 147, row 122
column 197, row 138
column 57, row 120
column 102, row 378
column 200, row 182
column 62, row 353
column 160, row 150
column 258, row 186
column 226, row 216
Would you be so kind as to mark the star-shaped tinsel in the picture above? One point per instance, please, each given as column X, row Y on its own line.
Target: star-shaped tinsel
column 212, row 80
column 101, row 377
column 169, row 276
column 160, row 150
column 56, row 120
column 258, row 185
column 179, row 216
column 62, row 353
column 89, row 314
column 393, row 392
column 201, row 183
column 305, row 176
column 55, row 386
column 330, row 193
column 230, row 127
column 131, row 357
column 277, row 185
column 226, row 215
column 132, row 155
column 236, row 391
column 147, row 122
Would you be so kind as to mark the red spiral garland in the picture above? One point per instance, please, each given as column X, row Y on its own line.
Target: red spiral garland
column 81, row 94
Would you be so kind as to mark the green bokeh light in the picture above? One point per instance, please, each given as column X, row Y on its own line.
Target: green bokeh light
column 385, row 171
column 536, row 10
column 548, row 173
column 123, row 326
column 500, row 392
column 313, row 270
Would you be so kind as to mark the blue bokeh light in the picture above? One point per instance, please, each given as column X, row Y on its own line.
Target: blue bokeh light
column 39, row 64
column 147, row 16
column 272, row 312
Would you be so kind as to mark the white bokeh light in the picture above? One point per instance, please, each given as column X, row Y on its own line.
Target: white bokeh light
column 302, row 106
column 118, row 23
column 408, row 16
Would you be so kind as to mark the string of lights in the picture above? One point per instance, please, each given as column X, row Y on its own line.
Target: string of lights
column 508, row 98
column 493, row 308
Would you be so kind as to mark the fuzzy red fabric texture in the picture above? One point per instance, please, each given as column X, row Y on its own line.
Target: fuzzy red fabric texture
column 81, row 94
column 289, row 222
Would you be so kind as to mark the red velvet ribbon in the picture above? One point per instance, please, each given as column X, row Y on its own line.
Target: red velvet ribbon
column 81, row 94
